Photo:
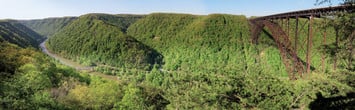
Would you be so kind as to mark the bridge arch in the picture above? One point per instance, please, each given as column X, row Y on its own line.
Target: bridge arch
column 288, row 47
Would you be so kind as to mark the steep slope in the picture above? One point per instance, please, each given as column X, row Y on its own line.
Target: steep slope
column 13, row 38
column 27, row 72
column 217, row 41
column 96, row 39
column 213, row 55
column 193, row 43
column 16, row 33
column 47, row 27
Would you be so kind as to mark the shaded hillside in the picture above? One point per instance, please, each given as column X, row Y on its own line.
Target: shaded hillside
column 190, row 42
column 96, row 39
column 16, row 33
column 47, row 27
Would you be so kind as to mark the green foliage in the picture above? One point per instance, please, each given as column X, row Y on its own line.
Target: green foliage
column 47, row 27
column 10, row 60
column 27, row 75
column 132, row 100
column 25, row 85
column 190, row 42
column 31, row 76
column 122, row 21
column 343, row 48
column 100, row 94
column 25, row 88
column 16, row 33
column 93, row 40
column 208, row 63
column 202, row 52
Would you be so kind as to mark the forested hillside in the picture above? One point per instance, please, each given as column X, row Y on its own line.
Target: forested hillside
column 47, row 27
column 201, row 43
column 170, row 61
column 26, row 74
column 98, row 39
column 16, row 33
column 214, row 55
column 207, row 62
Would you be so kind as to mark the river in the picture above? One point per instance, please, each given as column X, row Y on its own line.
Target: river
column 77, row 66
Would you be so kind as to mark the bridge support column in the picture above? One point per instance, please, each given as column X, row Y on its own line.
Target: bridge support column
column 296, row 42
column 275, row 24
column 256, row 27
column 309, row 44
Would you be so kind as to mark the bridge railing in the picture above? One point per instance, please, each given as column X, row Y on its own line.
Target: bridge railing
column 317, row 12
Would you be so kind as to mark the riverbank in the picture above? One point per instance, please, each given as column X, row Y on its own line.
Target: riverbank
column 84, row 69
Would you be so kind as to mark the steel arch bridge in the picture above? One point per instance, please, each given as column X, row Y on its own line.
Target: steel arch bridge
column 288, row 47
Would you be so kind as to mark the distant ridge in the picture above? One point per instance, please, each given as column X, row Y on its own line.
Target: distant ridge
column 48, row 26
column 16, row 33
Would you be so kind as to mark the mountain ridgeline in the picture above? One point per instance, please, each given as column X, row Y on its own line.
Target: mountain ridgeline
column 47, row 27
column 142, row 41
column 122, row 21
column 14, row 32
column 99, row 39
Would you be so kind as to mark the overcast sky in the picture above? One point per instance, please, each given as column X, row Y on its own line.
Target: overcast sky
column 35, row 9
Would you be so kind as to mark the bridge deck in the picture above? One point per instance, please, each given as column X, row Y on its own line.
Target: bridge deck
column 317, row 12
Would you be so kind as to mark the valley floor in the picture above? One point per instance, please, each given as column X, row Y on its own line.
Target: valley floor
column 77, row 66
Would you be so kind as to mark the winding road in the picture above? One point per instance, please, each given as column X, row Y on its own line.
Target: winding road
column 77, row 66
